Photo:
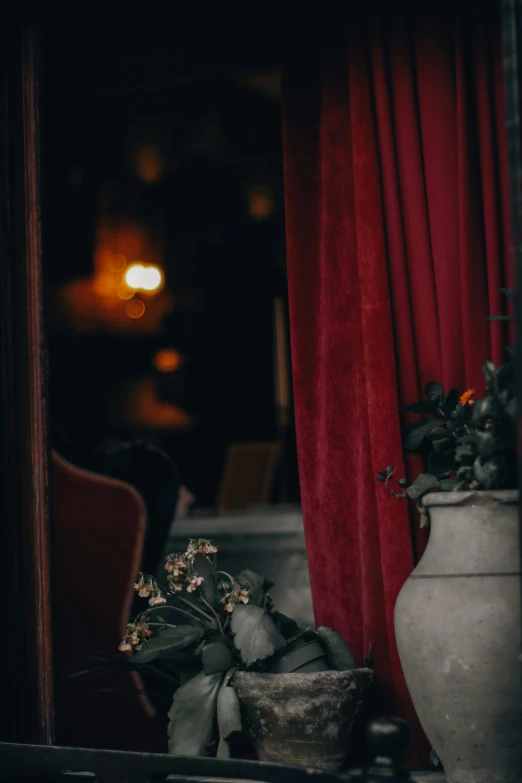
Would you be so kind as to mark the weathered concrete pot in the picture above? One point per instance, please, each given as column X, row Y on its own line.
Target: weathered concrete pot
column 458, row 629
column 304, row 719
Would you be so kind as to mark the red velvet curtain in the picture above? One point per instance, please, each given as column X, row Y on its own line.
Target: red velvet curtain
column 397, row 220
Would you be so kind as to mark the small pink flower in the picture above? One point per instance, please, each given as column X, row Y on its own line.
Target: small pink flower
column 176, row 581
column 195, row 582
column 206, row 548
column 237, row 595
column 175, row 564
column 157, row 600
column 135, row 634
column 145, row 586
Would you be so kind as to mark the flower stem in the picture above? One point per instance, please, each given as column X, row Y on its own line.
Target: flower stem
column 215, row 615
column 392, row 491
column 182, row 611
column 164, row 625
column 193, row 606
column 228, row 575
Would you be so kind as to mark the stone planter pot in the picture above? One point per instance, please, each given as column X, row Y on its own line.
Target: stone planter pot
column 303, row 656
column 303, row 719
column 458, row 628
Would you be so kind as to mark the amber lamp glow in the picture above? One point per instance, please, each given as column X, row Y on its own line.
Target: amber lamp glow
column 167, row 360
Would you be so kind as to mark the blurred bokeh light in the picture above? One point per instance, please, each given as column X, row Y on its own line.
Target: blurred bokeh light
column 167, row 360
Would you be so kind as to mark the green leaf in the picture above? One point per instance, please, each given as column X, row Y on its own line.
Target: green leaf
column 434, row 391
column 463, row 451
column 424, row 406
column 337, row 650
column 486, row 444
column 168, row 640
column 500, row 318
column 228, row 715
column 438, row 464
column 448, row 485
column 460, row 413
column 416, row 435
column 421, row 485
column 217, row 657
column 444, row 446
column 486, row 473
column 483, row 407
column 258, row 585
column 439, row 432
column 415, row 425
column 470, row 439
column 464, row 474
column 288, row 627
column 192, row 715
column 451, row 402
column 114, row 663
column 255, row 633
column 488, row 368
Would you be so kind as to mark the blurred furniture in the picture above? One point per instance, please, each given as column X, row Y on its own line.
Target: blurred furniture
column 387, row 740
column 99, row 527
column 248, row 476
column 268, row 539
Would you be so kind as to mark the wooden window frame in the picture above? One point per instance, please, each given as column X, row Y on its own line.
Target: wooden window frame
column 26, row 647
column 27, row 681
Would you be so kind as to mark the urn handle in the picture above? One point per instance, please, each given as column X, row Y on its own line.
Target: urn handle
column 387, row 740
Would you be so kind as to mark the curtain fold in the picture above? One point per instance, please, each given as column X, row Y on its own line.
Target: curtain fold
column 396, row 209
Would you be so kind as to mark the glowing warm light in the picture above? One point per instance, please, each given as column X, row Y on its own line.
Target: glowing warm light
column 105, row 300
column 135, row 308
column 117, row 263
column 124, row 292
column 144, row 277
column 142, row 407
column 149, row 164
column 167, row 360
column 151, row 279
column 260, row 203
column 134, row 276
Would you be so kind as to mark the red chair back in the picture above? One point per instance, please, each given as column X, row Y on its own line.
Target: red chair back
column 98, row 531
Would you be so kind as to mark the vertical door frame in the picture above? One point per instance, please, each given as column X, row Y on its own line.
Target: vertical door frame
column 25, row 561
column 24, row 448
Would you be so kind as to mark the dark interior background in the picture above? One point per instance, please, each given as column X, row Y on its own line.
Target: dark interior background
column 198, row 84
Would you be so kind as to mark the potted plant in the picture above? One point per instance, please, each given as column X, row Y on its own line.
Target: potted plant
column 242, row 665
column 457, row 617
